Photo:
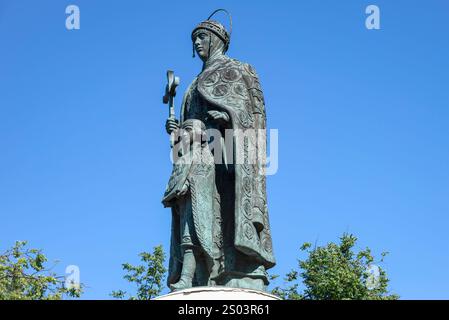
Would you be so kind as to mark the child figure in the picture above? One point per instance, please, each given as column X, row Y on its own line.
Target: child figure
column 191, row 249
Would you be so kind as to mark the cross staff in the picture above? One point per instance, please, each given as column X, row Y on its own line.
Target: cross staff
column 170, row 93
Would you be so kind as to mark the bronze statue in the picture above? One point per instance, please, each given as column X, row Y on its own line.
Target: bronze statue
column 220, row 228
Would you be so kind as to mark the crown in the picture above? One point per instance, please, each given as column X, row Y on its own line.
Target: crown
column 216, row 28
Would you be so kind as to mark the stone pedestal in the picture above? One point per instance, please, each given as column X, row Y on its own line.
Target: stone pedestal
column 218, row 293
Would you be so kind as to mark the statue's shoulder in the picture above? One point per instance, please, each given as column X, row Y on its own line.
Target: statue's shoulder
column 251, row 79
column 246, row 68
column 249, row 74
column 229, row 82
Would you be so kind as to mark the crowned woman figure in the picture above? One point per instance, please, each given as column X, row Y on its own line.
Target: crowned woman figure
column 227, row 98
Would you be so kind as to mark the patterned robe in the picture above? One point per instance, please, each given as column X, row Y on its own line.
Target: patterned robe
column 240, row 232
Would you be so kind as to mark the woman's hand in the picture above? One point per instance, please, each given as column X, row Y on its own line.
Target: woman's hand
column 171, row 125
column 184, row 189
column 219, row 116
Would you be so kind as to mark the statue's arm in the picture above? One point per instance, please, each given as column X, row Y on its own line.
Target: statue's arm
column 220, row 117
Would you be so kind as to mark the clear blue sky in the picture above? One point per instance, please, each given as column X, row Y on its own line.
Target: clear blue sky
column 363, row 119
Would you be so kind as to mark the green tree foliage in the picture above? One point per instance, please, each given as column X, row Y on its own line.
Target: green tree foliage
column 336, row 272
column 24, row 276
column 148, row 278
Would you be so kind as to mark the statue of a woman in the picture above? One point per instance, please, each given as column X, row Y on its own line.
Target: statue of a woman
column 231, row 240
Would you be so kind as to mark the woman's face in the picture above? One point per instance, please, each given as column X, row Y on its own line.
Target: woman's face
column 201, row 42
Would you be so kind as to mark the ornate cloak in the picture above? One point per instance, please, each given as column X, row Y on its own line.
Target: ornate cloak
column 233, row 86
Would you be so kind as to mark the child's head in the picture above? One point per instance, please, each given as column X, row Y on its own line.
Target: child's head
column 194, row 129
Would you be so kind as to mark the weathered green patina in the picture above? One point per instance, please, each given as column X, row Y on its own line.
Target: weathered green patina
column 220, row 226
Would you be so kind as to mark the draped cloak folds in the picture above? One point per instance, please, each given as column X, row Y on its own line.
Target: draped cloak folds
column 232, row 86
